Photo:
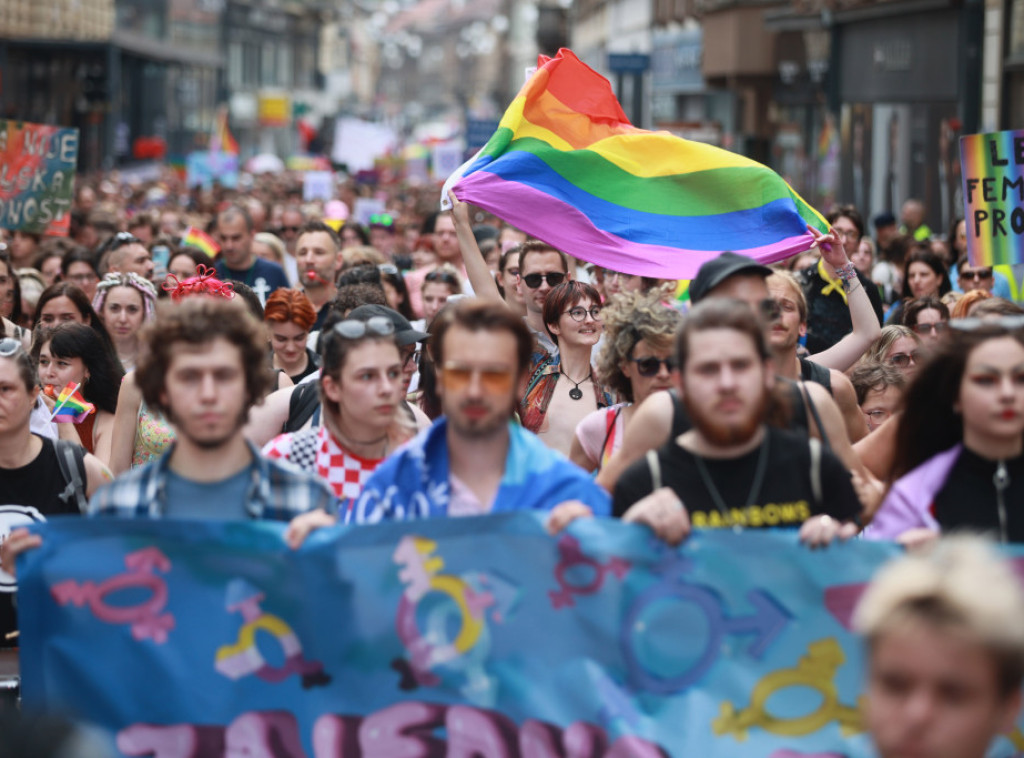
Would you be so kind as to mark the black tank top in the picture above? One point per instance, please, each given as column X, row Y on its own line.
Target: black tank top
column 27, row 494
column 797, row 411
column 815, row 372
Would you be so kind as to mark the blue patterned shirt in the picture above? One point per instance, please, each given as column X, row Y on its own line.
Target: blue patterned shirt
column 278, row 491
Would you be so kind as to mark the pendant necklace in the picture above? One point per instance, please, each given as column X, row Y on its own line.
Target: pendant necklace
column 760, row 469
column 1001, row 480
column 576, row 393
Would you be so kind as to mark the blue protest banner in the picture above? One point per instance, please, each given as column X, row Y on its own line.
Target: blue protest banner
column 459, row 637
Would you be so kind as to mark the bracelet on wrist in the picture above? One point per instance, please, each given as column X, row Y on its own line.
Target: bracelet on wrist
column 846, row 272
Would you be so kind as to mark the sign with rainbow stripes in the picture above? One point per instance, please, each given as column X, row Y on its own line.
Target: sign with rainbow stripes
column 993, row 186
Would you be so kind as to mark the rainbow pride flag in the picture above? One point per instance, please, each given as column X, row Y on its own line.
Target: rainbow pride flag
column 567, row 167
column 221, row 139
column 992, row 168
column 71, row 407
column 200, row 240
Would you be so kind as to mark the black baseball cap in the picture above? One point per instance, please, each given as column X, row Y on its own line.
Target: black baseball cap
column 884, row 219
column 404, row 332
column 716, row 271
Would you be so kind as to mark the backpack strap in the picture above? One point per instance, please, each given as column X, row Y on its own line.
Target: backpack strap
column 71, row 460
column 303, row 403
column 655, row 467
column 816, row 491
column 815, row 416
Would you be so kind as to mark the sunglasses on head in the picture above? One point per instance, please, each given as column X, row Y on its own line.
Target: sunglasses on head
column 354, row 329
column 936, row 328
column 388, row 268
column 902, row 360
column 9, row 346
column 381, row 219
column 650, row 366
column 121, row 239
column 445, row 277
column 553, row 278
column 1007, row 323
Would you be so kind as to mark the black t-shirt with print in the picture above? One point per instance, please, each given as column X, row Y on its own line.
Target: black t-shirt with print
column 785, row 497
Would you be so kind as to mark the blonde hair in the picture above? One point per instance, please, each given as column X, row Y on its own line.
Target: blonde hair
column 876, row 350
column 960, row 585
column 787, row 279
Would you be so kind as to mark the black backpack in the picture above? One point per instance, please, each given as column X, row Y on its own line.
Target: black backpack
column 71, row 459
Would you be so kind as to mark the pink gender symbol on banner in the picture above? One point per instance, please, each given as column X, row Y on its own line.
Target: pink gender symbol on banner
column 146, row 619
column 571, row 557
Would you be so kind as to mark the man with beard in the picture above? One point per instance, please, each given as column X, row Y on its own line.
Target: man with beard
column 317, row 251
column 204, row 364
column 476, row 459
column 731, row 469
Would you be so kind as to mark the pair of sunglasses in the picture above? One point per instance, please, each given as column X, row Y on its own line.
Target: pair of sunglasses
column 553, row 279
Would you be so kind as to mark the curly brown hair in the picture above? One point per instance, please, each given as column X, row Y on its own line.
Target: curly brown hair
column 199, row 321
column 631, row 318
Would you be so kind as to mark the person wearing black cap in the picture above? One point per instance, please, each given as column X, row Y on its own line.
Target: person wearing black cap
column 661, row 417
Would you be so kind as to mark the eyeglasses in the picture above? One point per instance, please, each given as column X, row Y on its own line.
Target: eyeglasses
column 977, row 274
column 121, row 239
column 1009, row 323
column 354, row 329
column 847, row 234
column 650, row 366
column 579, row 313
column 445, row 277
column 458, row 376
column 9, row 346
column 936, row 328
column 902, row 360
column 381, row 219
column 770, row 309
column 553, row 278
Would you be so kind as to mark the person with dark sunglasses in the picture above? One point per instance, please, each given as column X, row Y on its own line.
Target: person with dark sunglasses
column 635, row 361
column 541, row 269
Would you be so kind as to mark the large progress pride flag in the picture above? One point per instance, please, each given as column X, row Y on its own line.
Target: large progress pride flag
column 567, row 167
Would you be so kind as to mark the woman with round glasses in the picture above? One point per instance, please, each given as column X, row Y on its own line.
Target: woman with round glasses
column 928, row 317
column 563, row 389
column 361, row 392
column 959, row 454
column 124, row 303
column 636, row 360
column 73, row 353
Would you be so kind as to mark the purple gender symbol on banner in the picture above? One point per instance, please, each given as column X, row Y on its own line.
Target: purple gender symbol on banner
column 767, row 622
column 572, row 557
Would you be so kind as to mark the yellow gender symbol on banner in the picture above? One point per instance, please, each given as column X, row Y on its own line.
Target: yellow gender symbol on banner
column 815, row 670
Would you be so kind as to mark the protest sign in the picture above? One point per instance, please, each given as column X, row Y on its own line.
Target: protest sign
column 317, row 185
column 37, row 177
column 468, row 637
column 204, row 167
column 993, row 187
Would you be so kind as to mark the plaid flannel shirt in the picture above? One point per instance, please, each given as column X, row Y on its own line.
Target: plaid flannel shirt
column 278, row 491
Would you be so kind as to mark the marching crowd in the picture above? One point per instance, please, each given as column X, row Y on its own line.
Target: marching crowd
column 428, row 364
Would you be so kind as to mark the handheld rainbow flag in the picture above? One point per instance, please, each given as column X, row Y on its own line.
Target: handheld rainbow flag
column 221, row 139
column 567, row 167
column 992, row 167
column 200, row 240
column 71, row 407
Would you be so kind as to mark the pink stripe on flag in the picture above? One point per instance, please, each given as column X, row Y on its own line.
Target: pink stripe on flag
column 521, row 205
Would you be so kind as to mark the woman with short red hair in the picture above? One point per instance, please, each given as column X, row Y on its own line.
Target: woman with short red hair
column 289, row 316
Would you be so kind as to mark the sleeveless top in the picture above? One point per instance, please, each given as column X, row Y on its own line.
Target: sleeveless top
column 815, row 372
column 153, row 435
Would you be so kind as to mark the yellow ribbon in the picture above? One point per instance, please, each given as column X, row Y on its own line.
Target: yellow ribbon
column 832, row 285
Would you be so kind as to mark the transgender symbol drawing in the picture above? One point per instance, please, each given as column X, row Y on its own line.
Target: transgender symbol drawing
column 146, row 619
column 766, row 623
column 454, row 611
column 573, row 558
column 243, row 657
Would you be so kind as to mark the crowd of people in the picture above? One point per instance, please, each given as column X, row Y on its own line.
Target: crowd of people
column 415, row 364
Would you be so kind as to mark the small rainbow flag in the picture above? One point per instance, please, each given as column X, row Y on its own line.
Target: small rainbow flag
column 221, row 139
column 71, row 407
column 200, row 240
column 567, row 167
column 992, row 166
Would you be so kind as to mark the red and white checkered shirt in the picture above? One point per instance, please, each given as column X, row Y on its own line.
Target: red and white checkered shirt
column 345, row 472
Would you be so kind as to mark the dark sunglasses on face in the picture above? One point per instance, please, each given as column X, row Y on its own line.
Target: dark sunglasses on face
column 936, row 328
column 902, row 360
column 354, row 329
column 977, row 275
column 292, row 229
column 650, row 366
column 553, row 278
